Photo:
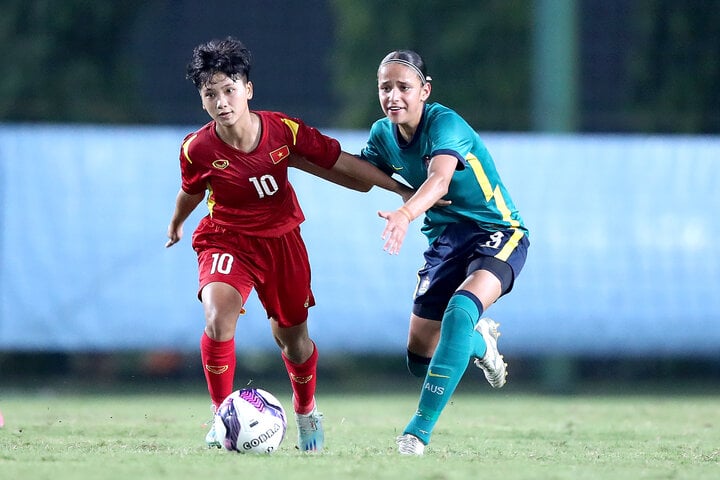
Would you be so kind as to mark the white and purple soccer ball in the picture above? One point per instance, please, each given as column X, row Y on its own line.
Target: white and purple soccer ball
column 250, row 420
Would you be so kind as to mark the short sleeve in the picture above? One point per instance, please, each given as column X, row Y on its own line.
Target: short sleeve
column 192, row 181
column 372, row 151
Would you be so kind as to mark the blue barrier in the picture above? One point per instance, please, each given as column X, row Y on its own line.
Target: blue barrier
column 623, row 257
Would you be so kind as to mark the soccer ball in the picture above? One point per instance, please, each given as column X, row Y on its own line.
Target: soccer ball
column 250, row 420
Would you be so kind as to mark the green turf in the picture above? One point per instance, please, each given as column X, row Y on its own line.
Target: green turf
column 493, row 436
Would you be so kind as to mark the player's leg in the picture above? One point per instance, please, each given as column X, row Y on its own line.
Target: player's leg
column 446, row 368
column 287, row 296
column 423, row 337
column 463, row 335
column 437, row 279
column 492, row 274
column 222, row 304
column 488, row 286
column 485, row 288
column 224, row 284
column 300, row 356
column 445, row 340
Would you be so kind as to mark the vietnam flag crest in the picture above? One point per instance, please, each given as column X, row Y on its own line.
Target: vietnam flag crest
column 279, row 154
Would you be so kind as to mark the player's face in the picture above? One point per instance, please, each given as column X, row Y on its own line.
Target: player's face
column 402, row 94
column 225, row 99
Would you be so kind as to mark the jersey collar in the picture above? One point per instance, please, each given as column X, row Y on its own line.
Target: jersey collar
column 399, row 139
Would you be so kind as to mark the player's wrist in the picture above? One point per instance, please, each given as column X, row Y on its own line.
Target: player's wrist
column 407, row 213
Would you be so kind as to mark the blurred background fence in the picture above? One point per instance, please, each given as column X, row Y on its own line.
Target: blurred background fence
column 623, row 260
column 602, row 116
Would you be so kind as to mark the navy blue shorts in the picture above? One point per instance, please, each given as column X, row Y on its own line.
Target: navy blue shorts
column 464, row 248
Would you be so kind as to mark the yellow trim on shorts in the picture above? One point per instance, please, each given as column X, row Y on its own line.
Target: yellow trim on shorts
column 511, row 245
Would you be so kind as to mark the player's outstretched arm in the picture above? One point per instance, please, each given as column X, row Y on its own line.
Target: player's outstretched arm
column 352, row 166
column 429, row 194
column 333, row 175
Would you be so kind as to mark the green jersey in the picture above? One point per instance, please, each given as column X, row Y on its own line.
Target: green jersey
column 476, row 191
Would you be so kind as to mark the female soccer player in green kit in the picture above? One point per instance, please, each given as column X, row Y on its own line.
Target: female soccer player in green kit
column 478, row 243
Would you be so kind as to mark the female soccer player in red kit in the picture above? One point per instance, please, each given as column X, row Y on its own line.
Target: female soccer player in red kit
column 251, row 236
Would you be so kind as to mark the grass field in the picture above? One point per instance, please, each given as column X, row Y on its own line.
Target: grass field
column 495, row 435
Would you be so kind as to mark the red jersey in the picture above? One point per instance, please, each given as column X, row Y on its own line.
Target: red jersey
column 249, row 193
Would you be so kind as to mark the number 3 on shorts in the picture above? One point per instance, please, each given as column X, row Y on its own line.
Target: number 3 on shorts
column 495, row 240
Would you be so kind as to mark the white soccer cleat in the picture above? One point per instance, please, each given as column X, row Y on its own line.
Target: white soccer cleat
column 311, row 436
column 492, row 363
column 409, row 444
column 211, row 438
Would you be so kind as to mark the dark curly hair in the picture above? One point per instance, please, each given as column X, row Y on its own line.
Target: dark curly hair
column 228, row 56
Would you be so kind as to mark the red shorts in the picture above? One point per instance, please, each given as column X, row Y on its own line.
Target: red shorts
column 277, row 267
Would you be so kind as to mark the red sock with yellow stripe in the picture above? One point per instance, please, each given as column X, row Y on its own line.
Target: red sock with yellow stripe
column 219, row 361
column 302, row 381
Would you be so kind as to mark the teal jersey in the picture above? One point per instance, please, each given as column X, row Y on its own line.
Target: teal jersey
column 476, row 191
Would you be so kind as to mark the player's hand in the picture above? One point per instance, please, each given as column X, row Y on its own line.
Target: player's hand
column 174, row 235
column 395, row 230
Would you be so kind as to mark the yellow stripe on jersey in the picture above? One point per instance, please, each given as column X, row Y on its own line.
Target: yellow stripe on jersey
column 510, row 246
column 488, row 191
column 210, row 199
column 186, row 147
column 502, row 206
column 479, row 172
column 292, row 126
